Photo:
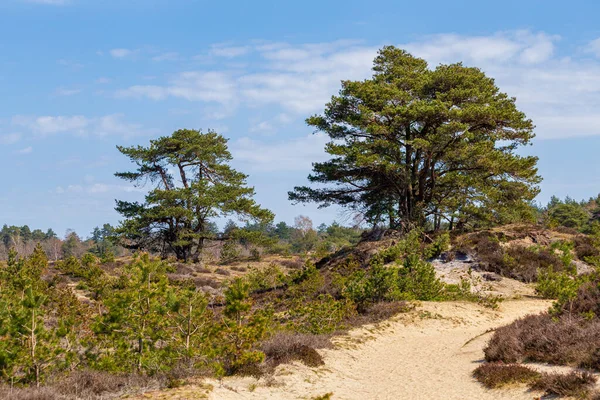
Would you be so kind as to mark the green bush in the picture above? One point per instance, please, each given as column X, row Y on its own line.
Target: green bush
column 440, row 244
column 229, row 252
column 557, row 285
column 320, row 316
column 418, row 280
column 270, row 277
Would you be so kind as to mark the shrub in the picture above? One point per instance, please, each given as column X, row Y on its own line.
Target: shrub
column 241, row 330
column 324, row 315
column 415, row 280
column 541, row 338
column 555, row 285
column 229, row 252
column 418, row 281
column 439, row 245
column 573, row 384
column 285, row 347
column 254, row 254
column 523, row 263
column 565, row 254
column 222, row 271
column 378, row 283
column 585, row 301
column 495, row 375
column 586, row 247
column 270, row 277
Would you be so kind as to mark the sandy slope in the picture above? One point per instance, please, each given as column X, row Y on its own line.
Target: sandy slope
column 426, row 354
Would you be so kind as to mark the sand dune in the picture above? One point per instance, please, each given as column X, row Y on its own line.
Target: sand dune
column 426, row 354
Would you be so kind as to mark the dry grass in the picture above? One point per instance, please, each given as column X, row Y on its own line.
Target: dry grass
column 86, row 385
column 379, row 312
column 495, row 375
column 540, row 338
column 516, row 261
column 571, row 337
column 574, row 384
column 222, row 271
column 285, row 347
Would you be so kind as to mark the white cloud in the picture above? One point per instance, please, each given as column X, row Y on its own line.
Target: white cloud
column 121, row 53
column 209, row 86
column 96, row 188
column 47, row 125
column 290, row 155
column 560, row 94
column 172, row 56
column 103, row 81
column 10, row 138
column 73, row 65
column 80, row 125
column 26, row 150
column 229, row 51
column 263, row 126
column 594, row 47
column 521, row 47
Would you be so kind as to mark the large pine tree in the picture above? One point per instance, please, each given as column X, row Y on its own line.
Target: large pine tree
column 414, row 144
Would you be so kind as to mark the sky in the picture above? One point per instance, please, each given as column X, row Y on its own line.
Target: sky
column 79, row 77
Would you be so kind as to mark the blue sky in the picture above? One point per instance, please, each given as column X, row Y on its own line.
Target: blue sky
column 78, row 77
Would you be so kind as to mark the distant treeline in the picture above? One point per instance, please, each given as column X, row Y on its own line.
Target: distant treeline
column 280, row 238
column 583, row 216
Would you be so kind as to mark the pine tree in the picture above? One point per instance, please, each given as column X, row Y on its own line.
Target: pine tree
column 176, row 215
column 414, row 144
column 135, row 324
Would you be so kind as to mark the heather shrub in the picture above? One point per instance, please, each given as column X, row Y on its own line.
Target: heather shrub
column 573, row 384
column 570, row 335
column 495, row 375
column 285, row 347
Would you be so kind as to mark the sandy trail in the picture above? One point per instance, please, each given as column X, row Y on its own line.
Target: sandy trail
column 428, row 353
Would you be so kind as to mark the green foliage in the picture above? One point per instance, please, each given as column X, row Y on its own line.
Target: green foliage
column 229, row 252
column 565, row 253
column 323, row 315
column 418, row 279
column 134, row 324
column 440, row 244
column 30, row 348
column 176, row 218
column 87, row 268
column 240, row 331
column 255, row 254
column 262, row 279
column 413, row 143
column 557, row 285
column 192, row 323
column 71, row 245
column 570, row 215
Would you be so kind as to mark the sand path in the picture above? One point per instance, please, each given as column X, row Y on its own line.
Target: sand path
column 428, row 353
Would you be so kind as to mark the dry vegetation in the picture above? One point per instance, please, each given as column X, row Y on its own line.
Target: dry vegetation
column 567, row 335
column 306, row 304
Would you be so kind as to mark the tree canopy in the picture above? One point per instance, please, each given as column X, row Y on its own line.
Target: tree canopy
column 413, row 144
column 193, row 183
